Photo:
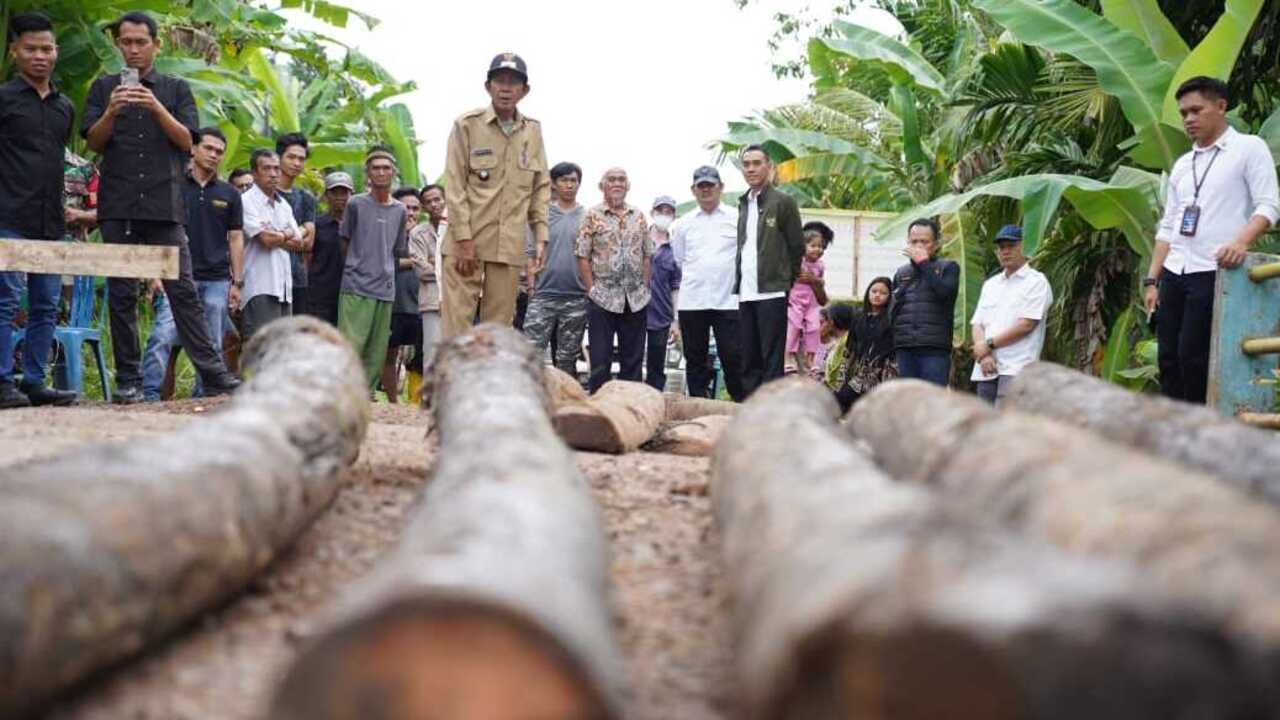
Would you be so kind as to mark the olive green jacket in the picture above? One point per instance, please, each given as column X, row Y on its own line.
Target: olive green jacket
column 779, row 241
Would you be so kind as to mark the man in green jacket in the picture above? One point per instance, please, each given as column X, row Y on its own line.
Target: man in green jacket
column 770, row 246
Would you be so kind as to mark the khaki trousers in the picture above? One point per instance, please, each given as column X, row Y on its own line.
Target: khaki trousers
column 492, row 288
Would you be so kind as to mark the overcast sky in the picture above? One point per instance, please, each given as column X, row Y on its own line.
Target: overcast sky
column 642, row 85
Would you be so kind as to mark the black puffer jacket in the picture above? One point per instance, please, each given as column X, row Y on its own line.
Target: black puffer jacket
column 924, row 304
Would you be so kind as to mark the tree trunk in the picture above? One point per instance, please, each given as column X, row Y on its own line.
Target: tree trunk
column 1193, row 435
column 494, row 603
column 619, row 418
column 1195, row 538
column 107, row 549
column 680, row 407
column 696, row 438
column 855, row 596
column 563, row 388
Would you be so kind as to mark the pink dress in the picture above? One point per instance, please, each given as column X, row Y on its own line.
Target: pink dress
column 804, row 313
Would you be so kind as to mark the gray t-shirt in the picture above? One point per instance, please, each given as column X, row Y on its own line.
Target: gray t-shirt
column 377, row 237
column 560, row 277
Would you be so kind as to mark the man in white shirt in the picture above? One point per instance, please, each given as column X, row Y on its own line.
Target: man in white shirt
column 1222, row 197
column 705, row 245
column 770, row 245
column 1008, row 326
column 269, row 227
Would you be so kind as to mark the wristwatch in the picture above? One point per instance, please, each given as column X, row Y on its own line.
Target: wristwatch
column 991, row 343
column 238, row 283
column 1149, row 282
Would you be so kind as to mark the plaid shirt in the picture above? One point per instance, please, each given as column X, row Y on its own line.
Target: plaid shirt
column 617, row 243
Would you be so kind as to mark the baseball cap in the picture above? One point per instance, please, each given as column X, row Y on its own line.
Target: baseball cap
column 1009, row 233
column 338, row 179
column 509, row 61
column 664, row 200
column 706, row 173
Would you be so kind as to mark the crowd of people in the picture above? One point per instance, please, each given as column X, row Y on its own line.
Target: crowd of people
column 740, row 289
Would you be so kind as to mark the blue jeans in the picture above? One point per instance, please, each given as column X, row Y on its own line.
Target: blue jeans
column 44, row 293
column 161, row 342
column 931, row 365
column 164, row 335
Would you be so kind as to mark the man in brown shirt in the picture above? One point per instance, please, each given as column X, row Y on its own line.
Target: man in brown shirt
column 496, row 186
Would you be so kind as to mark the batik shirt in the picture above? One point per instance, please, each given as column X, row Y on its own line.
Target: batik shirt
column 77, row 174
column 617, row 243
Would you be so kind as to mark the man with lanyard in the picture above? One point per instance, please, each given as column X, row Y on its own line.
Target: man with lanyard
column 496, row 185
column 1222, row 198
column 142, row 123
column 36, row 122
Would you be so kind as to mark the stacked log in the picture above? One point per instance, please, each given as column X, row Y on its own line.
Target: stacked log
column 694, row 438
column 494, row 603
column 106, row 550
column 1192, row 536
column 619, row 418
column 855, row 596
column 1192, row 435
column 681, row 407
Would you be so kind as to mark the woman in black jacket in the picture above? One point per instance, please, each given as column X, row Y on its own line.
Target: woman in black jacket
column 869, row 360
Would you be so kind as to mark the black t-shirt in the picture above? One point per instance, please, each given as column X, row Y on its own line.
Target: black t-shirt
column 303, row 204
column 33, row 139
column 212, row 211
column 327, row 260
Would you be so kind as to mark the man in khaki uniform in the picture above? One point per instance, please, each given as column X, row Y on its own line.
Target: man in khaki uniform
column 496, row 187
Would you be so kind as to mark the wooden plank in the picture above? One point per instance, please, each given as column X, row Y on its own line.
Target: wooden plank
column 81, row 258
column 1269, row 421
column 1243, row 310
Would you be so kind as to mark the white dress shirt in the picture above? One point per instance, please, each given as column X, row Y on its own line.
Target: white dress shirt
column 705, row 245
column 1240, row 184
column 1005, row 300
column 749, row 288
column 266, row 270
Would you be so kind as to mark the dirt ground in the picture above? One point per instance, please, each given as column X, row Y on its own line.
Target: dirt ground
column 672, row 616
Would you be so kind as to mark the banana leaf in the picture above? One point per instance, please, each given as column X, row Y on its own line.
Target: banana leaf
column 1126, row 67
column 969, row 252
column 1145, row 19
column 1102, row 205
column 1270, row 132
column 1216, row 55
column 279, row 102
column 903, row 64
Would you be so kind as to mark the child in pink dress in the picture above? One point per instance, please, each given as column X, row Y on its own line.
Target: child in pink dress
column 803, row 306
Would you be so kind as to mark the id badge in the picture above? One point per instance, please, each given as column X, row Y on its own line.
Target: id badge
column 1190, row 220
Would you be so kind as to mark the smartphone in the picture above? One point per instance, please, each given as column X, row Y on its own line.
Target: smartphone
column 129, row 77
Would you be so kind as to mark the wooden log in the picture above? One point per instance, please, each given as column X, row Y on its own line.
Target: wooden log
column 108, row 549
column 1193, row 435
column 682, row 407
column 695, row 438
column 1268, row 421
column 620, row 417
column 82, row 258
column 855, row 596
column 1193, row 537
column 563, row 388
column 494, row 603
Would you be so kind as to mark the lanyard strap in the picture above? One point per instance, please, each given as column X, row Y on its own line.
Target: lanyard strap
column 1199, row 182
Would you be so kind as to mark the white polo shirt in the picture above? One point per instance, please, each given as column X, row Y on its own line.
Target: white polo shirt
column 705, row 245
column 1005, row 300
column 266, row 270
column 749, row 290
column 1240, row 183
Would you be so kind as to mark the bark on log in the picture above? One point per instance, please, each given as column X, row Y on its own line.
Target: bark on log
column 1194, row 537
column 1193, row 435
column 855, row 596
column 494, row 604
column 563, row 388
column 107, row 549
column 694, row 438
column 681, row 407
column 619, row 418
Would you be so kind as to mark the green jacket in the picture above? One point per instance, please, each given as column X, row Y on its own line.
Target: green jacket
column 779, row 241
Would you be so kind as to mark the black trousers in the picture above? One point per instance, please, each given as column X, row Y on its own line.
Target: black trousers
column 1184, row 327
column 188, row 315
column 655, row 364
column 696, row 327
column 602, row 326
column 763, row 329
column 301, row 304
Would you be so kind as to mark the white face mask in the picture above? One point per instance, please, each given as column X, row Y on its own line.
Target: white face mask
column 662, row 222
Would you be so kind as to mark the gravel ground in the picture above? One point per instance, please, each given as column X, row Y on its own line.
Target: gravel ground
column 672, row 616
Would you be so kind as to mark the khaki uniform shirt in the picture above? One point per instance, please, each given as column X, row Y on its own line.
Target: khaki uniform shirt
column 423, row 243
column 495, row 186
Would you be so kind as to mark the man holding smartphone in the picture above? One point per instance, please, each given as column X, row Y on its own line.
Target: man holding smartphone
column 143, row 124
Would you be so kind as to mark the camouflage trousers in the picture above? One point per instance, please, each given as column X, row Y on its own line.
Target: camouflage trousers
column 565, row 319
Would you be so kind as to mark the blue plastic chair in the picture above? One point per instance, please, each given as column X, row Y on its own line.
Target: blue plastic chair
column 69, row 374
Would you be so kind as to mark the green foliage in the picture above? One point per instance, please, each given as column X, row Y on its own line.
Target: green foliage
column 1216, row 55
